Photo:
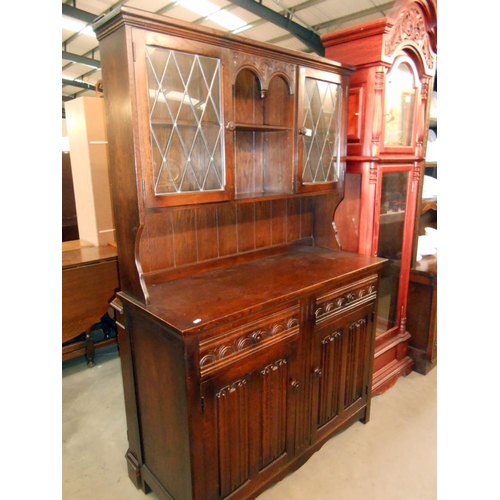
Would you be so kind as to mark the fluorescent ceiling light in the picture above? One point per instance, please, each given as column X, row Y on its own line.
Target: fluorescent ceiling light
column 201, row 7
column 228, row 20
column 77, row 26
column 219, row 16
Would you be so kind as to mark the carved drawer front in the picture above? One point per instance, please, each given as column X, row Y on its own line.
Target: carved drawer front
column 345, row 298
column 229, row 346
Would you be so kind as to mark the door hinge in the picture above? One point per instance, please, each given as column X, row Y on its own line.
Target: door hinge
column 202, row 405
column 143, row 188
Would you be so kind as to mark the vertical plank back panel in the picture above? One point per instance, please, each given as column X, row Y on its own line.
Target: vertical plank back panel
column 193, row 235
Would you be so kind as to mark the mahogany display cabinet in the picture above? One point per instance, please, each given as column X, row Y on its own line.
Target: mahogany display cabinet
column 246, row 335
column 395, row 60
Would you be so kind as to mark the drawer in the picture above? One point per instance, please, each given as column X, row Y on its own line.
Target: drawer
column 222, row 347
column 341, row 300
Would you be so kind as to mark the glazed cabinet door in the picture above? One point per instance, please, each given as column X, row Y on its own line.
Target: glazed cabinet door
column 402, row 107
column 181, row 88
column 246, row 421
column 321, row 130
column 392, row 238
column 342, row 360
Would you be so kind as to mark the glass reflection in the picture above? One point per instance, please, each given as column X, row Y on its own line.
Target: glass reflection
column 321, row 124
column 185, row 121
column 390, row 245
column 399, row 105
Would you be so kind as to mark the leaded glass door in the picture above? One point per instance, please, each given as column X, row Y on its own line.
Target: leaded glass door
column 321, row 144
column 184, row 126
column 185, row 121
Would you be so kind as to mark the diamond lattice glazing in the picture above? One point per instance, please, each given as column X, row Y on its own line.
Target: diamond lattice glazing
column 321, row 143
column 185, row 121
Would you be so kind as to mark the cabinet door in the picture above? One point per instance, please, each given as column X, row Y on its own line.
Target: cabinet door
column 180, row 91
column 321, row 130
column 394, row 219
column 342, row 358
column 402, row 105
column 246, row 420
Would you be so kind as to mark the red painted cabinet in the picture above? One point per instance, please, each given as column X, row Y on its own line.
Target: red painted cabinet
column 395, row 59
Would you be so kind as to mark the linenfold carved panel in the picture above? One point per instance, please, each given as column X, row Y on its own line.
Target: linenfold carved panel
column 238, row 411
column 356, row 346
column 273, row 392
column 331, row 363
column 233, row 427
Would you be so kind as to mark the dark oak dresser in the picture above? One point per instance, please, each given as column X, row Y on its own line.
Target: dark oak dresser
column 246, row 335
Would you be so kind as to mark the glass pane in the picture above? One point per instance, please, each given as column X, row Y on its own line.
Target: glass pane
column 390, row 245
column 388, row 299
column 399, row 106
column 185, row 121
column 321, row 141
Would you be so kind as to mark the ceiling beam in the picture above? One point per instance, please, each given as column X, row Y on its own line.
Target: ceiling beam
column 306, row 36
column 78, row 83
column 341, row 20
column 379, row 9
column 93, row 63
column 75, row 13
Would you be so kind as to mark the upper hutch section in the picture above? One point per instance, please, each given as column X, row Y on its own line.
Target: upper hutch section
column 198, row 117
column 221, row 118
column 395, row 57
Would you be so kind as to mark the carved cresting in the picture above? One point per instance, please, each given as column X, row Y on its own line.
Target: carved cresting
column 265, row 68
column 410, row 26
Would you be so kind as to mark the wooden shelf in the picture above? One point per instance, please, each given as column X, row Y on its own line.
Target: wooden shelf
column 254, row 127
column 390, row 217
column 428, row 204
column 257, row 196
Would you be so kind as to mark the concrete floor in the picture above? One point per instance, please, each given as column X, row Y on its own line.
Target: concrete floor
column 393, row 457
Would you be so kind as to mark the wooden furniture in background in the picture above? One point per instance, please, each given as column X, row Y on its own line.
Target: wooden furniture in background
column 422, row 292
column 89, row 283
column 395, row 59
column 246, row 335
column 69, row 218
column 422, row 314
column 86, row 128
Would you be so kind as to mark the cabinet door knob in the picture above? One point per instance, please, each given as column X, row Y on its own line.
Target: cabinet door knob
column 295, row 384
column 318, row 372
